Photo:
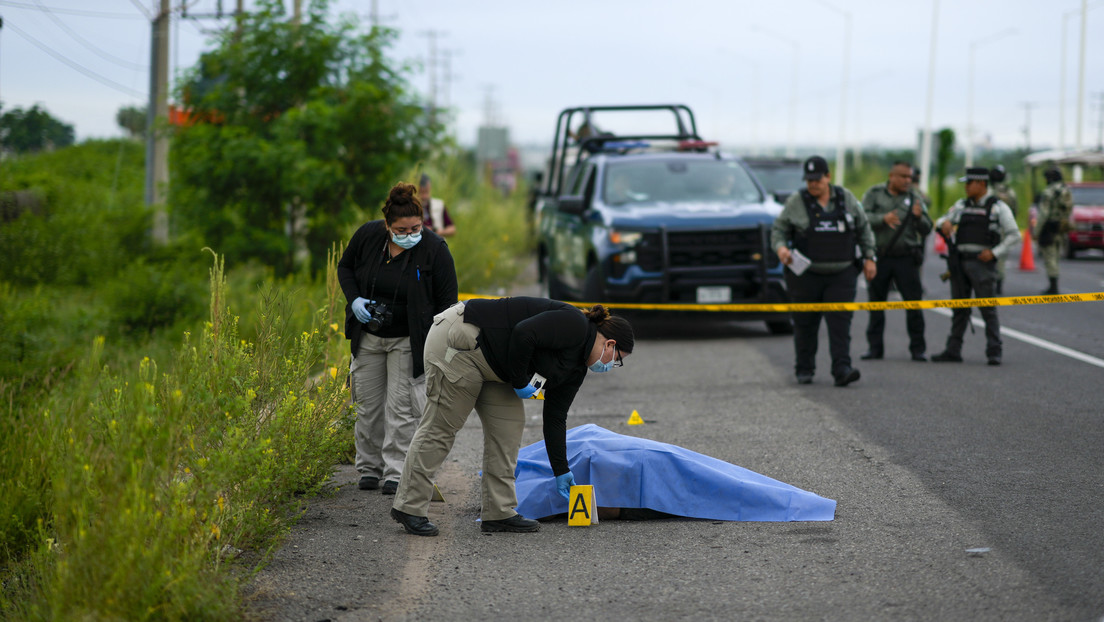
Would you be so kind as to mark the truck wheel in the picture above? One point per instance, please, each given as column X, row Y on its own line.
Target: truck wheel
column 780, row 327
column 594, row 288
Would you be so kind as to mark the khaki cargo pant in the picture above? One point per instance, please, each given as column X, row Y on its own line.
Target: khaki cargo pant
column 459, row 379
column 388, row 404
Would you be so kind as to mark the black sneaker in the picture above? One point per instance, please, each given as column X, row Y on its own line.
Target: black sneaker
column 872, row 355
column 415, row 525
column 946, row 357
column 919, row 357
column 516, row 523
column 994, row 360
column 368, row 483
column 804, row 379
column 847, row 376
column 390, row 487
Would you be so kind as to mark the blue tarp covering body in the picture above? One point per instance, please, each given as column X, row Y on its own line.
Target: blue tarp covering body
column 630, row 472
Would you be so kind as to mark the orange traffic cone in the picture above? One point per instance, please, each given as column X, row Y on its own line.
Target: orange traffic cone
column 940, row 247
column 1027, row 255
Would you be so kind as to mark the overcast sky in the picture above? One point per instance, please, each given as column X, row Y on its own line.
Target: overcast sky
column 732, row 61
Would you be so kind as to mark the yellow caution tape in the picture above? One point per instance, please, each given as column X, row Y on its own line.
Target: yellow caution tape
column 893, row 305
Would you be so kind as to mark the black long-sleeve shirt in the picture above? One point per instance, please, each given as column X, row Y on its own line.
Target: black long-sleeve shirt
column 521, row 336
column 429, row 275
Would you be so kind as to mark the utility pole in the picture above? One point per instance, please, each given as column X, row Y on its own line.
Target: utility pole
column 157, row 142
column 1100, row 121
column 297, row 12
column 1027, row 106
column 432, row 63
column 1081, row 77
column 926, row 141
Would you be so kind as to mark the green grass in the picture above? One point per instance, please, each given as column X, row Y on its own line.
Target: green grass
column 152, row 454
column 143, row 481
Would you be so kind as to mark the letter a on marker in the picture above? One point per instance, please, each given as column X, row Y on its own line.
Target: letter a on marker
column 583, row 509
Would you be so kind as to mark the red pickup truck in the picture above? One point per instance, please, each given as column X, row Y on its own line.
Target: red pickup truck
column 1087, row 219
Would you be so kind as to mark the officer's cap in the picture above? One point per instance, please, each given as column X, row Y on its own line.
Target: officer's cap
column 998, row 174
column 1052, row 175
column 815, row 168
column 976, row 173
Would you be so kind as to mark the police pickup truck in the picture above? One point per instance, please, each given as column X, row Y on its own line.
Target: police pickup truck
column 644, row 217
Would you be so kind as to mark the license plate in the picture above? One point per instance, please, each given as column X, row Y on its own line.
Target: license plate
column 714, row 295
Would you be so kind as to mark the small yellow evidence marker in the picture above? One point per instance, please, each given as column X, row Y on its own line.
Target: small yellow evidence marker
column 634, row 419
column 583, row 508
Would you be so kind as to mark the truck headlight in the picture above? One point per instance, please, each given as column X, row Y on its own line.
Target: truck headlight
column 625, row 238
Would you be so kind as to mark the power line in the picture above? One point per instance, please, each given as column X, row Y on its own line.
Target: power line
column 24, row 5
column 88, row 72
column 143, row 9
column 81, row 40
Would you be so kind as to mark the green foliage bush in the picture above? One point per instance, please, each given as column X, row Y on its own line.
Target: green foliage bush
column 157, row 291
column 300, row 152
column 493, row 241
column 135, row 486
column 93, row 219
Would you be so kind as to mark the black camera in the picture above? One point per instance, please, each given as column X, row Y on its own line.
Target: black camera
column 381, row 316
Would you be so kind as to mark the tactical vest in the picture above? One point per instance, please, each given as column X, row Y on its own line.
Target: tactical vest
column 831, row 235
column 975, row 225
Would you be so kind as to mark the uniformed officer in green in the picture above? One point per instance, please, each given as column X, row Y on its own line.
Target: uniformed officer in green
column 900, row 222
column 1051, row 223
column 825, row 225
column 1000, row 189
column 980, row 229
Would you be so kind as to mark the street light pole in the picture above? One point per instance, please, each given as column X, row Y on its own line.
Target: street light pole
column 970, row 90
column 1062, row 84
column 926, row 142
column 841, row 144
column 1081, row 74
column 790, row 152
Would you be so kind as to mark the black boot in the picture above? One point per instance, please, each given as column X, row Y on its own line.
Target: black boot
column 1053, row 289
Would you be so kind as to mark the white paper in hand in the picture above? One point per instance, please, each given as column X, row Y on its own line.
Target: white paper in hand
column 799, row 262
column 538, row 381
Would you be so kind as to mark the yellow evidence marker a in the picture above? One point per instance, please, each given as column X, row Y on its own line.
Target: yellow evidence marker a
column 634, row 419
column 437, row 496
column 583, row 509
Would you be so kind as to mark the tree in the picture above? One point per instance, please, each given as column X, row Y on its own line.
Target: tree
column 294, row 127
column 943, row 156
column 133, row 120
column 27, row 131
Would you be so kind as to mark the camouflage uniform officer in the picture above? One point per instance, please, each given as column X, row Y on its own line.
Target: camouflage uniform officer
column 828, row 226
column 900, row 222
column 1052, row 223
column 1004, row 192
column 980, row 229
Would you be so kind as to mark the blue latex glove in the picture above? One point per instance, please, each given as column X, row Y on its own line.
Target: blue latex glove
column 360, row 309
column 526, row 392
column 564, row 483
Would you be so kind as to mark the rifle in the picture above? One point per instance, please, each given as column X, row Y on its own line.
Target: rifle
column 954, row 261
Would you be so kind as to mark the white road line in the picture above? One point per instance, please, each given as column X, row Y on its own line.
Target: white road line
column 1035, row 341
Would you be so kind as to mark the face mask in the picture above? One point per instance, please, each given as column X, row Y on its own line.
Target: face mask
column 599, row 367
column 407, row 241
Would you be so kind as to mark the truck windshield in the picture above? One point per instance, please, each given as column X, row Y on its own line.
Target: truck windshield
column 677, row 180
column 779, row 177
column 1087, row 196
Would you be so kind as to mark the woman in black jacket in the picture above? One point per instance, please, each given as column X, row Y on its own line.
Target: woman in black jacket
column 396, row 276
column 489, row 355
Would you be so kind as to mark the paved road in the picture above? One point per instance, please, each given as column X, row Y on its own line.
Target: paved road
column 925, row 461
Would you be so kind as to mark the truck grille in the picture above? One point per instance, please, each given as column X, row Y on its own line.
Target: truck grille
column 702, row 249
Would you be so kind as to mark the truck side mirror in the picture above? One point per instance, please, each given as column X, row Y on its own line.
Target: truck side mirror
column 572, row 204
